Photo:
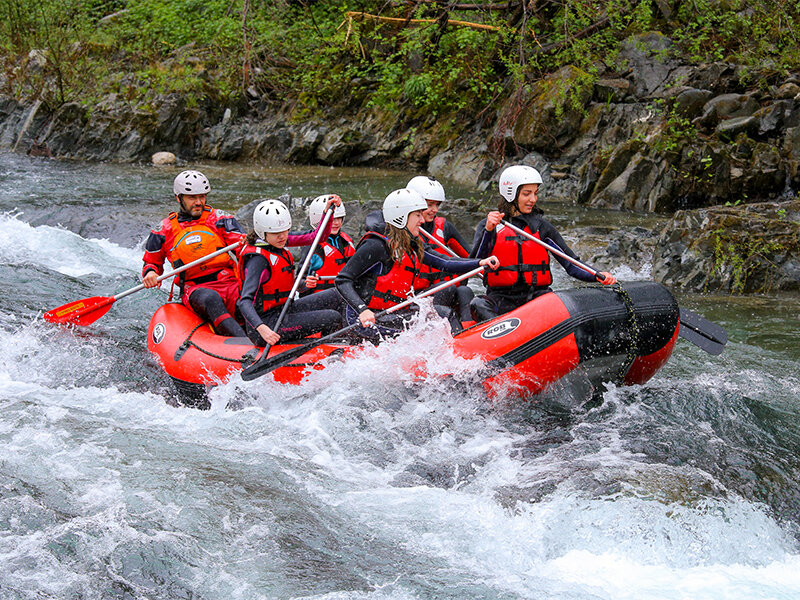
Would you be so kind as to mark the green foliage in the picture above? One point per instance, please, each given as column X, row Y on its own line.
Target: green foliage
column 739, row 256
column 676, row 132
column 310, row 55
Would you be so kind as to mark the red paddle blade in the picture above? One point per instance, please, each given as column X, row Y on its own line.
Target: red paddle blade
column 80, row 312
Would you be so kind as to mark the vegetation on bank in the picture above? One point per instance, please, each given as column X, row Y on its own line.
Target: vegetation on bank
column 420, row 58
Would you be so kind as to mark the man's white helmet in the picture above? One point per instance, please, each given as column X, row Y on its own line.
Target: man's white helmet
column 317, row 208
column 513, row 177
column 399, row 203
column 190, row 182
column 427, row 187
column 271, row 216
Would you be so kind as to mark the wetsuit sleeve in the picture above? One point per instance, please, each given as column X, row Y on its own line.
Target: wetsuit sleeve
column 254, row 267
column 484, row 241
column 454, row 240
column 551, row 236
column 449, row 265
column 306, row 239
column 366, row 262
column 154, row 253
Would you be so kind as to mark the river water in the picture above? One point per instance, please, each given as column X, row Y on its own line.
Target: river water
column 359, row 484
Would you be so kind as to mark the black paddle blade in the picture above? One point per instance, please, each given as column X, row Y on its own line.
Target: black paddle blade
column 265, row 365
column 702, row 333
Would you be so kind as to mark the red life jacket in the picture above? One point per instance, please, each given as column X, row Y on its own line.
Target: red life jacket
column 397, row 285
column 334, row 260
column 275, row 291
column 429, row 276
column 190, row 240
column 522, row 260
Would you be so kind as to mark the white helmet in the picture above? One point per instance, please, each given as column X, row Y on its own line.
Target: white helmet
column 399, row 203
column 317, row 208
column 190, row 182
column 427, row 187
column 513, row 177
column 271, row 216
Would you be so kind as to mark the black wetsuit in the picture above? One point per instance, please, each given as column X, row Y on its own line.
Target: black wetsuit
column 356, row 281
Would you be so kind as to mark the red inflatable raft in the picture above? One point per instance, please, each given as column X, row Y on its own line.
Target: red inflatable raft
column 621, row 334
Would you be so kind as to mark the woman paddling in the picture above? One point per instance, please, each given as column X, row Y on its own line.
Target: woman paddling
column 267, row 274
column 525, row 273
column 384, row 267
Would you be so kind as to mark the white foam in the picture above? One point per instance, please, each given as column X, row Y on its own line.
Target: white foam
column 61, row 250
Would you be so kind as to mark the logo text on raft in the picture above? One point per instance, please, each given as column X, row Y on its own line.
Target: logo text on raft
column 158, row 333
column 500, row 329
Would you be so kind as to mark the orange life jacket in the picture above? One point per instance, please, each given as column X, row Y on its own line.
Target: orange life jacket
column 397, row 285
column 334, row 260
column 521, row 260
column 275, row 291
column 188, row 242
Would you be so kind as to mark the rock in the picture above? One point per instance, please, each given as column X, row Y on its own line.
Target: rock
column 690, row 102
column 787, row 91
column 163, row 158
column 726, row 106
column 611, row 90
column 37, row 60
column 791, row 146
column 341, row 144
column 466, row 166
column 740, row 249
column 718, row 77
column 729, row 129
column 551, row 119
column 646, row 56
column 773, row 117
column 304, row 146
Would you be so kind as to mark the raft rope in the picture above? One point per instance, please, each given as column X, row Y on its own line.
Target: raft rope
column 187, row 343
column 635, row 331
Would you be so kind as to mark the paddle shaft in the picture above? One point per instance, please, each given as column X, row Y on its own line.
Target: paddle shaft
column 304, row 267
column 436, row 241
column 596, row 274
column 181, row 269
column 265, row 365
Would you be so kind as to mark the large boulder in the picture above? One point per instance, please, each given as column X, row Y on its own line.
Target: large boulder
column 341, row 145
column 467, row 166
column 646, row 58
column 550, row 118
column 739, row 249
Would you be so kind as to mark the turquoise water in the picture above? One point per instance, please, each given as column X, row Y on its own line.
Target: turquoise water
column 358, row 483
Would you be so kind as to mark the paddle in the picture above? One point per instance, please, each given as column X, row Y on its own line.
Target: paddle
column 87, row 311
column 555, row 251
column 699, row 331
column 264, row 366
column 438, row 243
column 297, row 280
column 702, row 333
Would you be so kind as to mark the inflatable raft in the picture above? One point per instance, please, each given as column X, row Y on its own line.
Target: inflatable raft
column 622, row 334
